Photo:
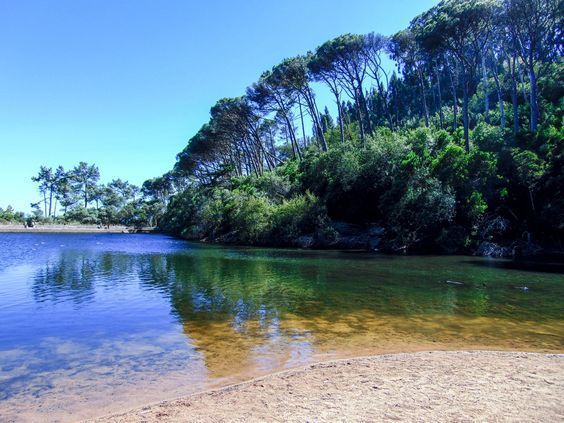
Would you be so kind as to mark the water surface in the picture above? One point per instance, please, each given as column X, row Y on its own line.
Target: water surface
column 92, row 324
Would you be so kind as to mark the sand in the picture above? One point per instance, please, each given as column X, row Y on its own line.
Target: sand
column 423, row 386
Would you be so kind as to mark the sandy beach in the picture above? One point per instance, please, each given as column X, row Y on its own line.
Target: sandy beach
column 423, row 386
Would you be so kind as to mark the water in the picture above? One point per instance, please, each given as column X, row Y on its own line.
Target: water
column 92, row 324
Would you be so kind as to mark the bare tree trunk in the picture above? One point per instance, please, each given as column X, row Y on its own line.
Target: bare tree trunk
column 360, row 123
column 522, row 78
column 454, row 100
column 341, row 125
column 486, row 91
column 533, row 94
column 423, row 98
column 499, row 95
column 314, row 112
column 302, row 120
column 465, row 117
column 441, row 116
column 512, row 72
column 532, row 201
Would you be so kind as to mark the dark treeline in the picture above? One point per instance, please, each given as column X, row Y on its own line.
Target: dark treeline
column 461, row 144
column 77, row 196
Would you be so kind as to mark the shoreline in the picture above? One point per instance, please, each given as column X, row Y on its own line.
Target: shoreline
column 74, row 229
column 426, row 385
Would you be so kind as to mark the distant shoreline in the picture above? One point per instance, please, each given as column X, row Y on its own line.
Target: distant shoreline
column 75, row 229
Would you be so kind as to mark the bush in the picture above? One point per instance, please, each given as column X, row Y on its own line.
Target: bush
column 422, row 211
column 300, row 215
column 488, row 137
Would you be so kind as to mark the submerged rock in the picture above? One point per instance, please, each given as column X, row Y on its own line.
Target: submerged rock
column 491, row 249
column 525, row 249
column 516, row 249
column 304, row 241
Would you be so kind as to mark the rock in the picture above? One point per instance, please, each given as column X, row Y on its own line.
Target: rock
column 375, row 237
column 525, row 249
column 494, row 227
column 304, row 241
column 491, row 249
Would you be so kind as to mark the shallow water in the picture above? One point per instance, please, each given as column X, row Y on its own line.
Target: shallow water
column 92, row 324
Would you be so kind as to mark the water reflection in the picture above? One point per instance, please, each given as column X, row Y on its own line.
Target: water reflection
column 108, row 314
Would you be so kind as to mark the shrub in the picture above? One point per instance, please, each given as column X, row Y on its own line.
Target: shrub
column 300, row 215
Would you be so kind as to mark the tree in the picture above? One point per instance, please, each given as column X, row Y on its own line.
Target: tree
column 375, row 46
column 47, row 187
column 344, row 59
column 84, row 179
column 463, row 28
column 65, row 193
column 529, row 171
column 536, row 29
column 405, row 50
column 293, row 74
column 271, row 95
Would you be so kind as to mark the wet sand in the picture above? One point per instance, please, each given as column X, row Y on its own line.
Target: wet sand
column 422, row 386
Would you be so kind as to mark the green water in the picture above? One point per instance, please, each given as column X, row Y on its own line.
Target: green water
column 99, row 323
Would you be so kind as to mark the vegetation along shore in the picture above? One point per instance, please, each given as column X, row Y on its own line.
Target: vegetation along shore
column 454, row 147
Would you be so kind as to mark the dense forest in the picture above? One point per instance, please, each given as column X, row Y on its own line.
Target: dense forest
column 456, row 147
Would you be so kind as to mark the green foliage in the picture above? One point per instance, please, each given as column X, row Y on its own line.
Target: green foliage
column 300, row 215
column 422, row 210
column 9, row 215
column 488, row 137
column 467, row 130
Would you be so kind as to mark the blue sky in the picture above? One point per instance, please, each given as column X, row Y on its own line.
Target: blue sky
column 125, row 83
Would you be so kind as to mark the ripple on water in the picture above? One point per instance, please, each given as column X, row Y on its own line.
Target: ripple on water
column 88, row 320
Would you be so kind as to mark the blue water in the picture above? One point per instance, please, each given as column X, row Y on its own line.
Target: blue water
column 96, row 323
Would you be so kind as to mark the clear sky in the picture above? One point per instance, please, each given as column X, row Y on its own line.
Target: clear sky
column 125, row 83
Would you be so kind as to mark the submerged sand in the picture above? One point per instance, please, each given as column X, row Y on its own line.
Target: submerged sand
column 423, row 386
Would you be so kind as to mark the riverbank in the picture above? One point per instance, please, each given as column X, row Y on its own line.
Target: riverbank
column 424, row 386
column 76, row 229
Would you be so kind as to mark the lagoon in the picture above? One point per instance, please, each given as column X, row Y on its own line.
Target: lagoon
column 97, row 323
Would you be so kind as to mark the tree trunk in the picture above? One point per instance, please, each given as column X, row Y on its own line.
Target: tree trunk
column 532, row 201
column 465, row 117
column 302, row 120
column 486, row 91
column 441, row 117
column 423, row 99
column 534, row 102
column 293, row 138
column 341, row 125
column 360, row 123
column 453, row 85
column 514, row 101
column 499, row 96
column 522, row 78
column 312, row 105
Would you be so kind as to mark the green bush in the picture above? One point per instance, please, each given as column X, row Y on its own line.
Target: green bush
column 300, row 215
